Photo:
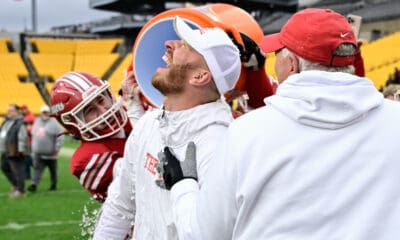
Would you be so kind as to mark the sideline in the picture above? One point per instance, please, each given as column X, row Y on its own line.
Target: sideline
column 18, row 226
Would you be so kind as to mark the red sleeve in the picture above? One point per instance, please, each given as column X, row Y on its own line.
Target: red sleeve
column 359, row 65
column 258, row 87
column 93, row 165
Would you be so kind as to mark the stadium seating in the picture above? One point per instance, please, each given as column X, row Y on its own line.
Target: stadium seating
column 381, row 57
column 380, row 75
column 381, row 52
column 3, row 45
column 58, row 56
column 51, row 65
column 119, row 73
column 96, row 46
column 270, row 65
column 49, row 86
column 14, row 65
column 13, row 89
column 51, row 46
column 53, row 57
column 96, row 64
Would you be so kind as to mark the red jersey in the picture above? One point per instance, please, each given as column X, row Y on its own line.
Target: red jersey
column 93, row 163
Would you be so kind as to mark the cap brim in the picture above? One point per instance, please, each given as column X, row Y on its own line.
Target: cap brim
column 271, row 43
column 185, row 32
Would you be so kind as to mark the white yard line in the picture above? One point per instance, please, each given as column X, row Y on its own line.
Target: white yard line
column 18, row 226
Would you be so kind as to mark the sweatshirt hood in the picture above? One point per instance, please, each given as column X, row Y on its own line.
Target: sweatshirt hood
column 177, row 128
column 330, row 100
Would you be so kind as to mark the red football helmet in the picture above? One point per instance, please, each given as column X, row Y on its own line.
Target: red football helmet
column 72, row 93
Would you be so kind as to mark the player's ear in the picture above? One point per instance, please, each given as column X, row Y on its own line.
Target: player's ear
column 294, row 63
column 200, row 77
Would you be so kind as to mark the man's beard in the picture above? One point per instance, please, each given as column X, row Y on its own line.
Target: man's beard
column 173, row 82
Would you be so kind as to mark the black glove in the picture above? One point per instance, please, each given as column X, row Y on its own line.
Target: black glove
column 250, row 54
column 172, row 170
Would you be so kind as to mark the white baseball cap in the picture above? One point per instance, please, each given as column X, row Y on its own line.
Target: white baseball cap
column 220, row 53
column 45, row 108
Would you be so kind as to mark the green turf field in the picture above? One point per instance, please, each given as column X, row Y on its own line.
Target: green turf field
column 44, row 214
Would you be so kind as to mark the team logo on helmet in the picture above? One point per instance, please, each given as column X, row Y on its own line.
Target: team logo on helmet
column 56, row 108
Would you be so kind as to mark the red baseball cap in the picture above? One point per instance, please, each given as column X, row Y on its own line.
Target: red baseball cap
column 314, row 34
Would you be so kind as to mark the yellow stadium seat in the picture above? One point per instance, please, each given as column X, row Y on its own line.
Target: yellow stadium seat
column 119, row 73
column 381, row 57
column 96, row 46
column 380, row 75
column 51, row 65
column 3, row 45
column 270, row 65
column 96, row 64
column 381, row 52
column 14, row 91
column 54, row 57
column 14, row 64
column 54, row 46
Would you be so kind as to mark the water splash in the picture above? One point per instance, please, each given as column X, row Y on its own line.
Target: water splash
column 91, row 213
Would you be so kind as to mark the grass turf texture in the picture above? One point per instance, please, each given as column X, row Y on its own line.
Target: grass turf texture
column 46, row 214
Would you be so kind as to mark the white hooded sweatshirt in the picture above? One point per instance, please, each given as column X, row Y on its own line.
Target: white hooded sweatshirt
column 319, row 162
column 133, row 196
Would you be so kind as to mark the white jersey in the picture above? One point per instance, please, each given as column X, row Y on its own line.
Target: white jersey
column 133, row 196
column 320, row 161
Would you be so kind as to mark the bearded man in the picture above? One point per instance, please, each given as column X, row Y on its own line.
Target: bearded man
column 200, row 67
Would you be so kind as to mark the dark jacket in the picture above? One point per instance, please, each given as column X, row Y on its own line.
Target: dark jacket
column 12, row 149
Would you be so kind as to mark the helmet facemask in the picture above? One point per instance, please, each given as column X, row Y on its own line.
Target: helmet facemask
column 108, row 123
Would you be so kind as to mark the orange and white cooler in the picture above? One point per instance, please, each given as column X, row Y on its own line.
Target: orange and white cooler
column 149, row 46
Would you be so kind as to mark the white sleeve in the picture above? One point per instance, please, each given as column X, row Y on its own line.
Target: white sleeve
column 118, row 211
column 134, row 109
column 208, row 213
column 184, row 196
